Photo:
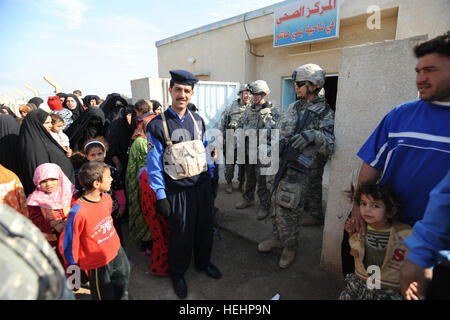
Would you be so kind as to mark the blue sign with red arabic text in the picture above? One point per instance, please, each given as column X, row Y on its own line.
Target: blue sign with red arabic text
column 308, row 20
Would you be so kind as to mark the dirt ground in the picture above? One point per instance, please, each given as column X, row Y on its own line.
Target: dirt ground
column 247, row 274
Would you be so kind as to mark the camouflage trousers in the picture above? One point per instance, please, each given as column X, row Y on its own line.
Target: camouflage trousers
column 356, row 289
column 288, row 206
column 253, row 180
column 229, row 173
column 313, row 193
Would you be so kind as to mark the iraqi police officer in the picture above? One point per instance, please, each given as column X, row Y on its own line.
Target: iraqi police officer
column 307, row 140
column 180, row 171
column 260, row 116
column 229, row 120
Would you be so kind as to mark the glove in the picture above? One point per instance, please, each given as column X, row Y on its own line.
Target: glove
column 303, row 139
column 163, row 207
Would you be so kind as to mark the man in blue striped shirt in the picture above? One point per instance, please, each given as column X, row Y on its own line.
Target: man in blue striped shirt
column 410, row 149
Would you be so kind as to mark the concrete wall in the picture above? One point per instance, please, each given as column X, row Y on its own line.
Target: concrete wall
column 377, row 77
column 150, row 88
column 279, row 63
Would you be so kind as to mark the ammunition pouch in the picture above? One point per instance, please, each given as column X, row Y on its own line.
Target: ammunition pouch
column 288, row 194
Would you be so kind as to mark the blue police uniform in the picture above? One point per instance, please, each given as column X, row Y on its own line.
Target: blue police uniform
column 191, row 200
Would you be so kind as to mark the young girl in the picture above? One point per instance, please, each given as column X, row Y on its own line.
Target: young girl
column 159, row 256
column 138, row 230
column 95, row 150
column 50, row 203
column 380, row 254
column 58, row 134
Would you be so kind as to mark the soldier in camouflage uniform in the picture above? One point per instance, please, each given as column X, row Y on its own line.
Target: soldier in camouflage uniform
column 259, row 116
column 315, row 141
column 229, row 120
column 29, row 267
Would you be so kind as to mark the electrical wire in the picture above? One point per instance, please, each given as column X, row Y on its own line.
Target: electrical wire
column 249, row 41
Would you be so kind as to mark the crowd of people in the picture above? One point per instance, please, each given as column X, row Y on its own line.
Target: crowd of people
column 78, row 167
column 72, row 153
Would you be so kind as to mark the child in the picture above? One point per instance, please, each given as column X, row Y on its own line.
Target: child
column 56, row 105
column 58, row 134
column 95, row 150
column 90, row 240
column 50, row 203
column 382, row 246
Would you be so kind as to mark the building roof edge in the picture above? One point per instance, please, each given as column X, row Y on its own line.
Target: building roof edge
column 226, row 22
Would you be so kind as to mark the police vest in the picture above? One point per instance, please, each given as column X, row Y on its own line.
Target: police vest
column 184, row 159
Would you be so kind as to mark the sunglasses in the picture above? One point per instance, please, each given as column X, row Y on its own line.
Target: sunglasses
column 300, row 83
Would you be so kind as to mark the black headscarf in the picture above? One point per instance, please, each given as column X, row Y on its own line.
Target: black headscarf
column 83, row 129
column 119, row 138
column 37, row 101
column 87, row 100
column 112, row 112
column 9, row 143
column 61, row 95
column 8, row 110
column 78, row 109
column 37, row 146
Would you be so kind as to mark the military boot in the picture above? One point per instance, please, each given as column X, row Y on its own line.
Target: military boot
column 229, row 188
column 244, row 204
column 287, row 257
column 269, row 244
column 262, row 213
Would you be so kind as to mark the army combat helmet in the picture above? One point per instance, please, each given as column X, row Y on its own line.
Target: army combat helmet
column 310, row 72
column 243, row 87
column 259, row 86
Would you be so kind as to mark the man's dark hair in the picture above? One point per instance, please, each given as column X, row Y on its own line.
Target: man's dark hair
column 144, row 106
column 439, row 45
column 90, row 172
column 172, row 83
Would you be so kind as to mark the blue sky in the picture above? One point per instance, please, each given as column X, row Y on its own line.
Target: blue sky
column 96, row 46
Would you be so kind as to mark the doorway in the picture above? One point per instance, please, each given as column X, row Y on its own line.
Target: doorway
column 331, row 85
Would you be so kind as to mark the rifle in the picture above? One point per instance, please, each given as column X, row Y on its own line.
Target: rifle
column 289, row 154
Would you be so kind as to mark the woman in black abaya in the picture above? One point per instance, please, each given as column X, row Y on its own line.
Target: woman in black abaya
column 72, row 103
column 112, row 107
column 37, row 146
column 9, row 143
column 89, row 125
column 91, row 101
column 119, row 138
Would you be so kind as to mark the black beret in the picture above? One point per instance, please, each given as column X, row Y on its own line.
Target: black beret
column 183, row 77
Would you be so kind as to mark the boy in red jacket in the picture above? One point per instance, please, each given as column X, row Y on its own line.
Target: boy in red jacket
column 90, row 240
